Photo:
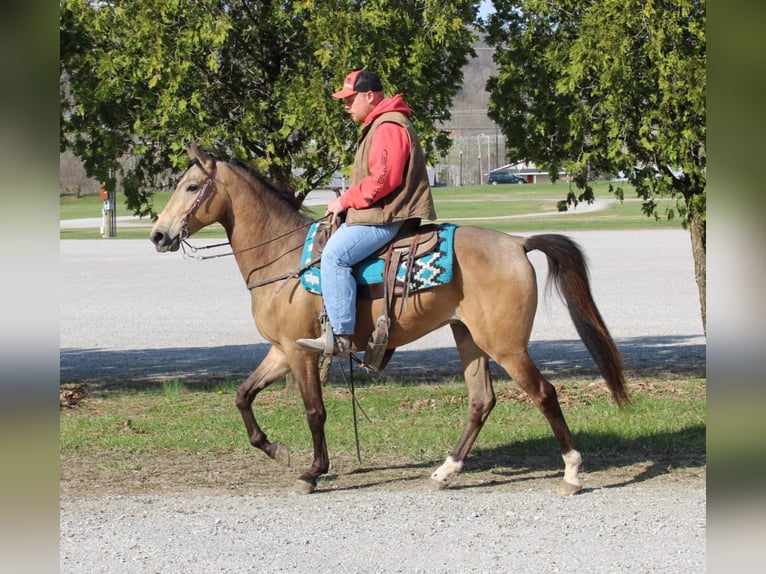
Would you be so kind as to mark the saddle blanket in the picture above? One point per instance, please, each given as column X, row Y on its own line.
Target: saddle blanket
column 429, row 270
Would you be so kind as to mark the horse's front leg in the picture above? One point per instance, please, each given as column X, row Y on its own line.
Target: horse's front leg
column 481, row 400
column 273, row 367
column 306, row 372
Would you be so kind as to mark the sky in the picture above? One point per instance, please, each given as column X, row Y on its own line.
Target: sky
column 485, row 8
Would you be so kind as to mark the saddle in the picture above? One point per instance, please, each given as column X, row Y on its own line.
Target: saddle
column 412, row 242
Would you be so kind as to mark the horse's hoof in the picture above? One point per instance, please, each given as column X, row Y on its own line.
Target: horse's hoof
column 282, row 454
column 437, row 484
column 304, row 487
column 568, row 489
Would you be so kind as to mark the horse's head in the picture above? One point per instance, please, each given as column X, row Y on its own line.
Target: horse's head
column 192, row 206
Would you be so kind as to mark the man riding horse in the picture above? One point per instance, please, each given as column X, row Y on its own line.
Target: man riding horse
column 389, row 186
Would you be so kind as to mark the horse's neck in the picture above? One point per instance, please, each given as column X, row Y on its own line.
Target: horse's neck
column 265, row 233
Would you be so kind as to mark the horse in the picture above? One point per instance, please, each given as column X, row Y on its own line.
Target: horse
column 489, row 304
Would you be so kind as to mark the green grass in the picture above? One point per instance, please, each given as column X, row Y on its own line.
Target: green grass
column 464, row 205
column 141, row 232
column 71, row 207
column 414, row 421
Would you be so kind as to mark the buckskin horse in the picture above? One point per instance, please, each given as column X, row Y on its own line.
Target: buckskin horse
column 490, row 305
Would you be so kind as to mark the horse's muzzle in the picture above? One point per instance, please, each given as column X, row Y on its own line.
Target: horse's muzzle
column 163, row 242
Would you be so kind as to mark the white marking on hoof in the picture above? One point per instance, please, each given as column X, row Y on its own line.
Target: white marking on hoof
column 572, row 462
column 442, row 475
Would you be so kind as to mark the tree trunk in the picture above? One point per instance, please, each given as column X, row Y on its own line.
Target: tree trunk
column 698, row 228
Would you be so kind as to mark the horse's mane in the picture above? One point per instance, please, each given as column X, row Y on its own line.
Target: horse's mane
column 254, row 174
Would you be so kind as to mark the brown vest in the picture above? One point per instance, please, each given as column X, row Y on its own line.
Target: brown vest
column 412, row 199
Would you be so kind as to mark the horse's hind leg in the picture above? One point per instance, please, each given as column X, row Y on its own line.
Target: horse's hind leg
column 526, row 374
column 481, row 399
column 273, row 366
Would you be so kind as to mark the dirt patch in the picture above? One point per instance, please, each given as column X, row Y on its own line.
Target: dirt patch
column 251, row 472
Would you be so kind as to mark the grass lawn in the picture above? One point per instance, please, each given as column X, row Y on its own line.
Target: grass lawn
column 418, row 419
column 157, row 437
column 508, row 208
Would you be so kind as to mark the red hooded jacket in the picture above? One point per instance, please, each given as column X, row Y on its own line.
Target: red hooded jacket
column 389, row 152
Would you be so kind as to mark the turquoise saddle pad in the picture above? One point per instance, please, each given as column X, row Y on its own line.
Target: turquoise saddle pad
column 430, row 270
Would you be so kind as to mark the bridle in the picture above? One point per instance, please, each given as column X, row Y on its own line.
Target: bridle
column 198, row 201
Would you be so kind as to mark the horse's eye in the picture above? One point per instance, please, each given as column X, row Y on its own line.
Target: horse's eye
column 191, row 188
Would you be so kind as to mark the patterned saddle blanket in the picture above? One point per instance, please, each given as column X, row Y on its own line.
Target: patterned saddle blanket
column 428, row 270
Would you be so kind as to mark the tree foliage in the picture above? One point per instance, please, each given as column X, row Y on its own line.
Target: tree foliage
column 247, row 79
column 606, row 87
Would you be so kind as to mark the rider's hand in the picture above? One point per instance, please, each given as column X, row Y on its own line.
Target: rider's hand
column 336, row 209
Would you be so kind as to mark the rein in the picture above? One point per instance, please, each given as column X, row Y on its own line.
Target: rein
column 255, row 284
column 354, row 399
column 293, row 273
column 192, row 250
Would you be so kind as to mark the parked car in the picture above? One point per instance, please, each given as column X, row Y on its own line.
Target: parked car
column 502, row 176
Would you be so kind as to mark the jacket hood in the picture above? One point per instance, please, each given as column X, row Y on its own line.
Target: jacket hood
column 394, row 104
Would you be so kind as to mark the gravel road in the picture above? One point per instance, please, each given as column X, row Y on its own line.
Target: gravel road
column 638, row 529
column 127, row 312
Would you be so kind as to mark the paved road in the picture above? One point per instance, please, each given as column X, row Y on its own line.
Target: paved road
column 129, row 312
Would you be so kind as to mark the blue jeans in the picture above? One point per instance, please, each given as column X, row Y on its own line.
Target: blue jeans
column 349, row 245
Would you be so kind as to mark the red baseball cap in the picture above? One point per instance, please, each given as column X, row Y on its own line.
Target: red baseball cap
column 359, row 81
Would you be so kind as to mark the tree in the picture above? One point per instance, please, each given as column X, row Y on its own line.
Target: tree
column 607, row 86
column 247, row 79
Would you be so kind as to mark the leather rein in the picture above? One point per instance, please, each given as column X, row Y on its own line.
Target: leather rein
column 192, row 253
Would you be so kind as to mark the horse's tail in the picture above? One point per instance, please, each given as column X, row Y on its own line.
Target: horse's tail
column 568, row 270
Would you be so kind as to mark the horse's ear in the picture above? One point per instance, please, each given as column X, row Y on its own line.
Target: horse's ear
column 195, row 153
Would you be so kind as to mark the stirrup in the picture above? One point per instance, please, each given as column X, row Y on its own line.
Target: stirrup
column 377, row 345
column 328, row 344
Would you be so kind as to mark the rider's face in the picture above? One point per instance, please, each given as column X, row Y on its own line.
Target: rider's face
column 359, row 105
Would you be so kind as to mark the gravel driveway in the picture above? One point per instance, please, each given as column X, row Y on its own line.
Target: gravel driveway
column 638, row 529
column 127, row 312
